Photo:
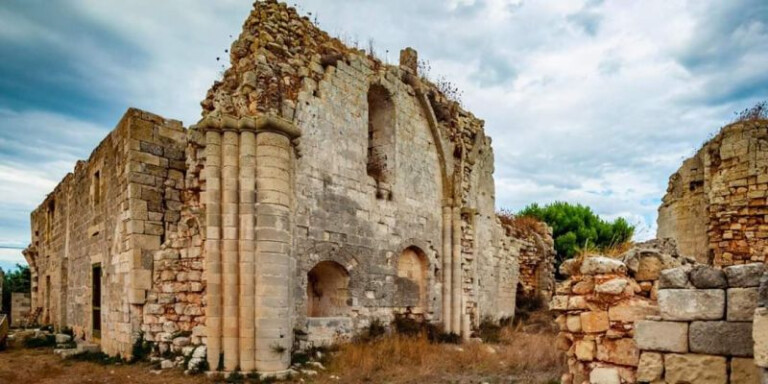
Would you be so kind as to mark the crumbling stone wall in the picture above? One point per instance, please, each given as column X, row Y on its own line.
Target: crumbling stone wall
column 654, row 317
column 537, row 260
column 111, row 212
column 312, row 159
column 715, row 206
column 20, row 307
column 600, row 304
column 703, row 333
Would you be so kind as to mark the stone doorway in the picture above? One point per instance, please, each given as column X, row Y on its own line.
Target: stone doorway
column 96, row 301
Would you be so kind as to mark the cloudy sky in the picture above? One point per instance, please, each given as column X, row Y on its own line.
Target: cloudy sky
column 595, row 102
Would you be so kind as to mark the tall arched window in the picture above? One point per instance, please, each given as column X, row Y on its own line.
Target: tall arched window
column 381, row 135
column 327, row 290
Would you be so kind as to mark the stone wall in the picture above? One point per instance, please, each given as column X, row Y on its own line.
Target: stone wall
column 703, row 333
column 760, row 328
column 108, row 216
column 20, row 307
column 537, row 260
column 715, row 206
column 322, row 188
column 600, row 304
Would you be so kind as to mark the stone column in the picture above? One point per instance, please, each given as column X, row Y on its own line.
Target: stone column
column 247, row 247
column 230, row 246
column 456, row 288
column 274, row 332
column 212, row 200
column 447, row 271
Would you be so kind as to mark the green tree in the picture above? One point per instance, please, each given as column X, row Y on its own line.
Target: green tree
column 575, row 226
column 18, row 280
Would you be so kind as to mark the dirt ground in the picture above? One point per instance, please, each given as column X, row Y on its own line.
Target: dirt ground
column 519, row 358
column 40, row 366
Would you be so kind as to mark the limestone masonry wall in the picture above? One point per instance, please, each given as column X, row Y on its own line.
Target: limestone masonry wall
column 654, row 317
column 703, row 333
column 321, row 190
column 20, row 307
column 716, row 203
column 760, row 327
column 105, row 219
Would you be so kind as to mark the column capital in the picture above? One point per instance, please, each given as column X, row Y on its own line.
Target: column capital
column 256, row 124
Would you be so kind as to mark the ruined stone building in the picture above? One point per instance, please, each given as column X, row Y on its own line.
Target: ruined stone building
column 321, row 189
column 715, row 206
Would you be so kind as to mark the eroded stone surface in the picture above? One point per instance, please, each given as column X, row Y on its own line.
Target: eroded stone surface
column 741, row 304
column 746, row 275
column 664, row 336
column 744, row 371
column 692, row 304
column 650, row 367
column 692, row 368
column 721, row 338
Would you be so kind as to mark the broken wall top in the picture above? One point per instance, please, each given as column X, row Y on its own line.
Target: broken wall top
column 278, row 50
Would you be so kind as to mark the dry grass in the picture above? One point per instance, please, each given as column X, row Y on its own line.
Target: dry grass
column 613, row 251
column 519, row 357
column 522, row 224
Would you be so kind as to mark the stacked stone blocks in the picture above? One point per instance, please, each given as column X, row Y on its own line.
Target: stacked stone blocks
column 703, row 333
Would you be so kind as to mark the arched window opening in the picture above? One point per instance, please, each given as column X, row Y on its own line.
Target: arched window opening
column 327, row 290
column 412, row 267
column 381, row 136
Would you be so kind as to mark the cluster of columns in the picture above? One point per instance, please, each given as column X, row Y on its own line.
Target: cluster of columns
column 248, row 172
column 453, row 320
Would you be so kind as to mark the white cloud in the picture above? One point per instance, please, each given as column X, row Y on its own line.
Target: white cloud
column 594, row 102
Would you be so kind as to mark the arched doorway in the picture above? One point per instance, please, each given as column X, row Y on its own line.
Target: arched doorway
column 412, row 267
column 327, row 290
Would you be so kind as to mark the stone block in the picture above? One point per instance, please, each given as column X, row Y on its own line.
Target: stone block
column 664, row 336
column 760, row 337
column 612, row 287
column 600, row 265
column 706, row 277
column 594, row 321
column 746, row 275
column 762, row 300
column 744, row 371
column 632, row 310
column 720, row 338
column 674, row 278
column 573, row 323
column 559, row 303
column 741, row 304
column 692, row 304
column 648, row 268
column 584, row 350
column 584, row 287
column 604, row 375
column 619, row 351
column 692, row 368
column 650, row 367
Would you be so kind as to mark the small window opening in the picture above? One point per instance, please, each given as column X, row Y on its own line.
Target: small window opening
column 96, row 188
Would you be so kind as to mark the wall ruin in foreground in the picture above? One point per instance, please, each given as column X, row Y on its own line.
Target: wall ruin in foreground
column 653, row 317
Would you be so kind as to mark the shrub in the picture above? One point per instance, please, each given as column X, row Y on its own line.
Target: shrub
column 575, row 226
column 489, row 331
column 758, row 111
